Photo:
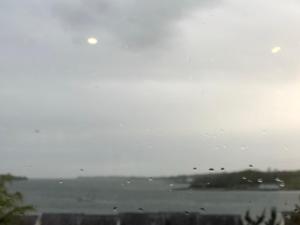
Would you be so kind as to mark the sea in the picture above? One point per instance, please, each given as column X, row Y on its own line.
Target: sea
column 110, row 195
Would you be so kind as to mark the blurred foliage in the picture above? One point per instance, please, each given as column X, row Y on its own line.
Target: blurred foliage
column 262, row 220
column 293, row 218
column 11, row 203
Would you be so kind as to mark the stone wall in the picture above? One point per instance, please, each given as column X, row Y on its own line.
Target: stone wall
column 133, row 219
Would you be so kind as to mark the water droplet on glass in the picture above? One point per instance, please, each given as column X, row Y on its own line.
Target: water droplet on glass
column 211, row 169
column 81, row 170
column 282, row 185
column 171, row 185
column 37, row 131
column 202, row 209
column 250, row 165
column 194, row 168
column 128, row 182
column 259, row 180
column 222, row 168
column 244, row 178
column 60, row 182
column 288, row 217
column 115, row 208
column 140, row 209
column 243, row 148
column 249, row 181
column 264, row 131
column 150, row 179
column 186, row 213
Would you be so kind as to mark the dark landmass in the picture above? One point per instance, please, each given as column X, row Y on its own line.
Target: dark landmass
column 12, row 177
column 243, row 180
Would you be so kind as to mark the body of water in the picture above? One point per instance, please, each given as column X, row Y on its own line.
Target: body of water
column 113, row 195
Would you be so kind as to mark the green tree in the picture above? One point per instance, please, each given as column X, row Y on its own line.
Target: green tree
column 11, row 203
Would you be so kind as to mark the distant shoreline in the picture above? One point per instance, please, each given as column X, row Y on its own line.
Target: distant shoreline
column 246, row 180
column 227, row 189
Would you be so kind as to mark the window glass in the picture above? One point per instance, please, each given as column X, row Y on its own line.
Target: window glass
column 176, row 106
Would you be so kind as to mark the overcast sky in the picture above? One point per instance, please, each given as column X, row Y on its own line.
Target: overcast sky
column 170, row 85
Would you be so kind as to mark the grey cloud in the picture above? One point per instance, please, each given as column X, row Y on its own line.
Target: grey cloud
column 135, row 23
column 225, row 41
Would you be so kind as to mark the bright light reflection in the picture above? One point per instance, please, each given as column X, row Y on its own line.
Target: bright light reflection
column 276, row 49
column 92, row 40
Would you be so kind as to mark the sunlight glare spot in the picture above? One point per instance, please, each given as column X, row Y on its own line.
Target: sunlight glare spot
column 92, row 40
column 276, row 49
